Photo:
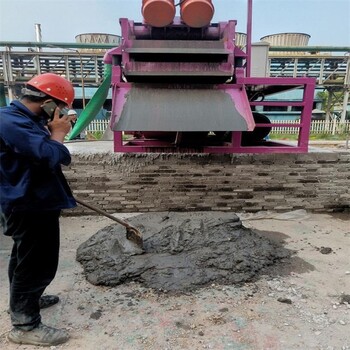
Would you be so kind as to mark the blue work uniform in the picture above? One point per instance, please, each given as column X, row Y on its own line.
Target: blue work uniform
column 33, row 191
column 30, row 164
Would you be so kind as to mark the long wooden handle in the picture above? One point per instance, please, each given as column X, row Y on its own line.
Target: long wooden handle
column 104, row 213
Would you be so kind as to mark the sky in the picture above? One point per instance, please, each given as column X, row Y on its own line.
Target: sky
column 327, row 21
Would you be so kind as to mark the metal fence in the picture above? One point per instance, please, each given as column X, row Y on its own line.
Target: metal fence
column 97, row 126
column 332, row 127
column 317, row 127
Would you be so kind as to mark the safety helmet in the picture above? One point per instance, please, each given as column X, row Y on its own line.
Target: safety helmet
column 54, row 86
column 71, row 112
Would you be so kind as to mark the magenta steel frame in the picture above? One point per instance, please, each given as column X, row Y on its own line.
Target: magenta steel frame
column 308, row 86
column 243, row 83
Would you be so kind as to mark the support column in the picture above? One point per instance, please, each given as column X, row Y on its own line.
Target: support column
column 345, row 105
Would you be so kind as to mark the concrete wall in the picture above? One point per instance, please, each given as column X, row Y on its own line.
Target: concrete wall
column 159, row 182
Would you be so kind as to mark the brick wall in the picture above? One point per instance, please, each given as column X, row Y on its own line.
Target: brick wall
column 244, row 182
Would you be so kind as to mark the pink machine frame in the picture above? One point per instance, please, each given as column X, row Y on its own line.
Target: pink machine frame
column 243, row 82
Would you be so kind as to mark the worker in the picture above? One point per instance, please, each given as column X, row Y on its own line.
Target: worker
column 32, row 194
column 73, row 115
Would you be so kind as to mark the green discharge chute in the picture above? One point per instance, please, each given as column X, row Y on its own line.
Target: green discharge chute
column 2, row 95
column 95, row 104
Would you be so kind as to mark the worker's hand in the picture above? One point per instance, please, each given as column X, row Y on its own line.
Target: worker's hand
column 59, row 126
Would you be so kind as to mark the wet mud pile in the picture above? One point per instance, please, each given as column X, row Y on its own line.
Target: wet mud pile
column 182, row 251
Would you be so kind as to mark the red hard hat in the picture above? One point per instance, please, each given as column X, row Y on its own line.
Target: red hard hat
column 55, row 86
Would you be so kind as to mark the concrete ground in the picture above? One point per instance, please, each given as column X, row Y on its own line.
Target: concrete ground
column 303, row 304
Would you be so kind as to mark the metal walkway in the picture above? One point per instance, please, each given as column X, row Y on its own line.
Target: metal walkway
column 19, row 67
column 83, row 64
column 327, row 70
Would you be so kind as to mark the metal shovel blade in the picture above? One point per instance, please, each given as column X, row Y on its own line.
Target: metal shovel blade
column 132, row 233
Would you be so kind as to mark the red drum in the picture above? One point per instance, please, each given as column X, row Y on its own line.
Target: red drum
column 158, row 13
column 197, row 13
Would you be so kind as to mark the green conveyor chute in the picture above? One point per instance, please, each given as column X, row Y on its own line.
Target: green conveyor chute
column 2, row 96
column 95, row 104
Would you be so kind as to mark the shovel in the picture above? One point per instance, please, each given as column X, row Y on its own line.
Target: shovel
column 132, row 233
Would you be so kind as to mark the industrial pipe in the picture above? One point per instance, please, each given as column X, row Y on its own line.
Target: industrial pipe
column 112, row 46
column 249, row 38
column 51, row 45
column 197, row 13
column 158, row 13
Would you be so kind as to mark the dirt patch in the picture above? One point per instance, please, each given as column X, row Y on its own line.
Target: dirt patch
column 182, row 252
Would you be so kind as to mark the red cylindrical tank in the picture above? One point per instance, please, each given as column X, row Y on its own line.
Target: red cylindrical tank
column 197, row 13
column 158, row 13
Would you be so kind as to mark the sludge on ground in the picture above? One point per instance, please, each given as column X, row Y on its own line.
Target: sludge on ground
column 182, row 252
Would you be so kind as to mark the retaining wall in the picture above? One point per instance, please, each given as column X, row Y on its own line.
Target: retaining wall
column 317, row 182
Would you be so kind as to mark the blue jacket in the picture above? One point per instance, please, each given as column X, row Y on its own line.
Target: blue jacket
column 31, row 178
